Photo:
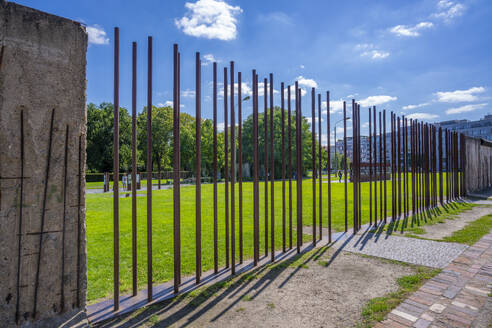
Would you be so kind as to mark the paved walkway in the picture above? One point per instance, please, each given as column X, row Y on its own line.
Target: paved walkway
column 457, row 297
column 430, row 253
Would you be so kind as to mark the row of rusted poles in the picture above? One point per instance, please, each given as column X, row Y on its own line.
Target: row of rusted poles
column 416, row 148
column 376, row 173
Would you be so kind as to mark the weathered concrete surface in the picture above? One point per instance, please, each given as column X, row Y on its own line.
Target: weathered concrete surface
column 478, row 165
column 42, row 69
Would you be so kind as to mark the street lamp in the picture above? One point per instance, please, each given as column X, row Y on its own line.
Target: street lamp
column 335, row 133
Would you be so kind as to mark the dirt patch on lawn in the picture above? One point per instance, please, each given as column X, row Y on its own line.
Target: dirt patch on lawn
column 440, row 230
column 324, row 288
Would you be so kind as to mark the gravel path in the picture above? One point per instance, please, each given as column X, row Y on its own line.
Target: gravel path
column 416, row 251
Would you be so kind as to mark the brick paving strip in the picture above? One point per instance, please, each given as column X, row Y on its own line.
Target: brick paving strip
column 454, row 297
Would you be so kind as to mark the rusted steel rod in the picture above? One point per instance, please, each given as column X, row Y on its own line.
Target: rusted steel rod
column 385, row 213
column 359, row 206
column 240, row 162
column 176, row 177
column 226, row 170
column 149, row 170
column 134, row 171
column 233, row 175
column 299, row 166
column 64, row 222
column 19, row 229
column 320, row 169
column 116, row 175
column 198, row 169
column 179, row 165
column 376, row 175
column 79, row 219
column 398, row 153
column 265, row 161
column 329, row 162
column 272, row 175
column 380, row 169
column 345, row 160
column 404, row 164
column 289, row 156
column 313, row 158
column 392, row 120
column 216, row 254
column 354, row 169
column 256, row 214
column 282, row 155
column 43, row 215
column 412, row 159
column 446, row 136
column 370, row 166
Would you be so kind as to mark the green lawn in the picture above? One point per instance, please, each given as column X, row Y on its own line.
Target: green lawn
column 100, row 229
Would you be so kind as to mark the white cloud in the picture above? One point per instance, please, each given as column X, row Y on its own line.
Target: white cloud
column 370, row 51
column 278, row 16
column 465, row 108
column 412, row 31
column 376, row 100
column 310, row 119
column 209, row 59
column 309, row 83
column 335, row 106
column 245, row 90
column 293, row 92
column 301, row 66
column 375, row 54
column 211, row 19
column 187, row 93
column 261, row 89
column 422, row 116
column 448, row 10
column 168, row 103
column 459, row 95
column 415, row 106
column 97, row 35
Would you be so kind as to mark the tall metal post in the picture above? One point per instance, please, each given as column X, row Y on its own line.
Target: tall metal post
column 329, row 162
column 198, row 169
column 116, row 174
column 134, row 169
column 149, row 170
column 313, row 158
column 216, row 252
column 345, row 160
column 233, row 175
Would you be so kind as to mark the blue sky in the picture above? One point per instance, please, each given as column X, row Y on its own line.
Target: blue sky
column 429, row 59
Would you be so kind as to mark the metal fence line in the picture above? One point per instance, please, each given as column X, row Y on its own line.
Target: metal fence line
column 419, row 155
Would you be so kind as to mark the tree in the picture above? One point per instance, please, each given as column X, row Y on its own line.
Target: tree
column 277, row 135
column 162, row 134
column 100, row 138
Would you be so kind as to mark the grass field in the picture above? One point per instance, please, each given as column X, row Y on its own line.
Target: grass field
column 100, row 229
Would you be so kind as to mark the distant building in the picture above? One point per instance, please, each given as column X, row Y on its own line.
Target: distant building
column 477, row 129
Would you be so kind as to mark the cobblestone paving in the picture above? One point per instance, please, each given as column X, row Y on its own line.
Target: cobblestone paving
column 454, row 298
